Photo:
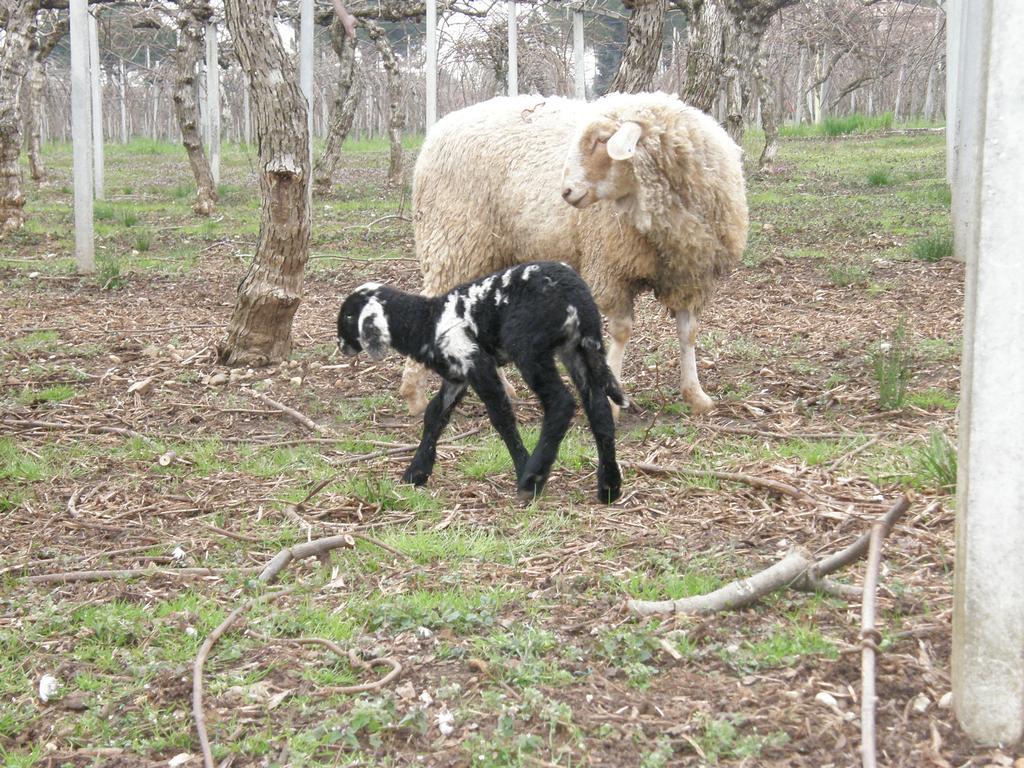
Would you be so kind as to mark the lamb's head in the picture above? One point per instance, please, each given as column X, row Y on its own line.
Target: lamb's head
column 599, row 165
column 363, row 323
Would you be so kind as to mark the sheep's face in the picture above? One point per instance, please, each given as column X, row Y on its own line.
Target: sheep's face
column 363, row 324
column 599, row 165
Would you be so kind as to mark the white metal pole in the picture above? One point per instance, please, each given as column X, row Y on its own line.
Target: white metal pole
column 577, row 53
column 81, row 136
column 431, row 64
column 213, row 100
column 97, row 106
column 306, row 78
column 513, row 54
column 988, row 607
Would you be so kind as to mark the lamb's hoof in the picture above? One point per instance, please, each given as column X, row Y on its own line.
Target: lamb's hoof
column 415, row 477
column 530, row 487
column 609, row 488
column 699, row 402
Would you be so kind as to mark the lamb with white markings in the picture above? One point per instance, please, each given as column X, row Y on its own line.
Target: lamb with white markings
column 525, row 315
column 635, row 191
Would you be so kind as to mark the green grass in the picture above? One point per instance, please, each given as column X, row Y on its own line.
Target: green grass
column 935, row 463
column 880, row 177
column 56, row 394
column 932, row 248
column 727, row 737
column 848, row 274
column 779, row 649
column 891, row 364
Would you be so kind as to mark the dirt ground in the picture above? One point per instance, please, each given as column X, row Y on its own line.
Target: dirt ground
column 123, row 442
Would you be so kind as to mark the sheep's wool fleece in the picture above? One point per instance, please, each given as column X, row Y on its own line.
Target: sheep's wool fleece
column 487, row 194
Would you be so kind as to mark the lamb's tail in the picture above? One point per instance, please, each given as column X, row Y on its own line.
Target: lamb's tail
column 599, row 374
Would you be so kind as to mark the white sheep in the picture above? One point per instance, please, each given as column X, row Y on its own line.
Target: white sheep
column 635, row 191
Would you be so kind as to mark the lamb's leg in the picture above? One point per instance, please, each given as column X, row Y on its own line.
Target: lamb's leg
column 414, row 387
column 542, row 377
column 486, row 382
column 620, row 329
column 436, row 418
column 689, row 385
column 602, row 425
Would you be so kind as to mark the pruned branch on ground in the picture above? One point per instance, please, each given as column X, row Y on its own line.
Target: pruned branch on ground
column 797, row 570
column 870, row 639
column 734, row 477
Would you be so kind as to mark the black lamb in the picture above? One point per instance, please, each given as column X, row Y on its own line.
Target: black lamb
column 524, row 315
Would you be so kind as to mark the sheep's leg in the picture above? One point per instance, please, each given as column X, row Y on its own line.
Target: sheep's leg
column 602, row 425
column 620, row 329
column 542, row 377
column 414, row 387
column 485, row 379
column 438, row 414
column 689, row 385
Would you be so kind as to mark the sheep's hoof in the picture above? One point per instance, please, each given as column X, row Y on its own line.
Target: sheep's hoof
column 699, row 402
column 530, row 487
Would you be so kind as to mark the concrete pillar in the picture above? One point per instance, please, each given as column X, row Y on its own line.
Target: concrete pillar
column 81, row 136
column 578, row 52
column 988, row 613
column 954, row 31
column 306, row 78
column 431, row 63
column 96, row 88
column 513, row 54
column 213, row 100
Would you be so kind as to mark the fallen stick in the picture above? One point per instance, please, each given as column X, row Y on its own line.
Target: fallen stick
column 355, row 661
column 869, row 639
column 796, row 571
column 197, row 670
column 69, row 427
column 736, row 477
column 288, row 411
column 130, row 573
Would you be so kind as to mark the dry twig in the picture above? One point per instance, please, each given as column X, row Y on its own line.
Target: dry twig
column 796, row 570
column 354, row 660
column 735, row 477
column 288, row 411
column 869, row 639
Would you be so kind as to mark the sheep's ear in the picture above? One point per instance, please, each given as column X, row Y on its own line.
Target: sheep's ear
column 371, row 338
column 622, row 144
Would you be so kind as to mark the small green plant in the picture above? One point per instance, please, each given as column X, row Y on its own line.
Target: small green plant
column 890, row 361
column 128, row 218
column 109, row 274
column 880, row 177
column 936, row 462
column 933, row 248
column 723, row 738
column 183, row 190
column 845, row 275
column 142, row 241
column 841, row 126
column 103, row 212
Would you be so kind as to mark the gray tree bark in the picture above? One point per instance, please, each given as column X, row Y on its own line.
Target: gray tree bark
column 640, row 57
column 17, row 17
column 260, row 331
column 395, row 119
column 192, row 18
column 347, row 99
column 40, row 48
column 705, row 53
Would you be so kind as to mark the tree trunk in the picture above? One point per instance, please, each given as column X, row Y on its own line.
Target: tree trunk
column 395, row 119
column 640, row 57
column 705, row 54
column 800, row 97
column 769, row 118
column 14, row 54
column 34, row 82
column 260, row 331
column 350, row 88
column 192, row 18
